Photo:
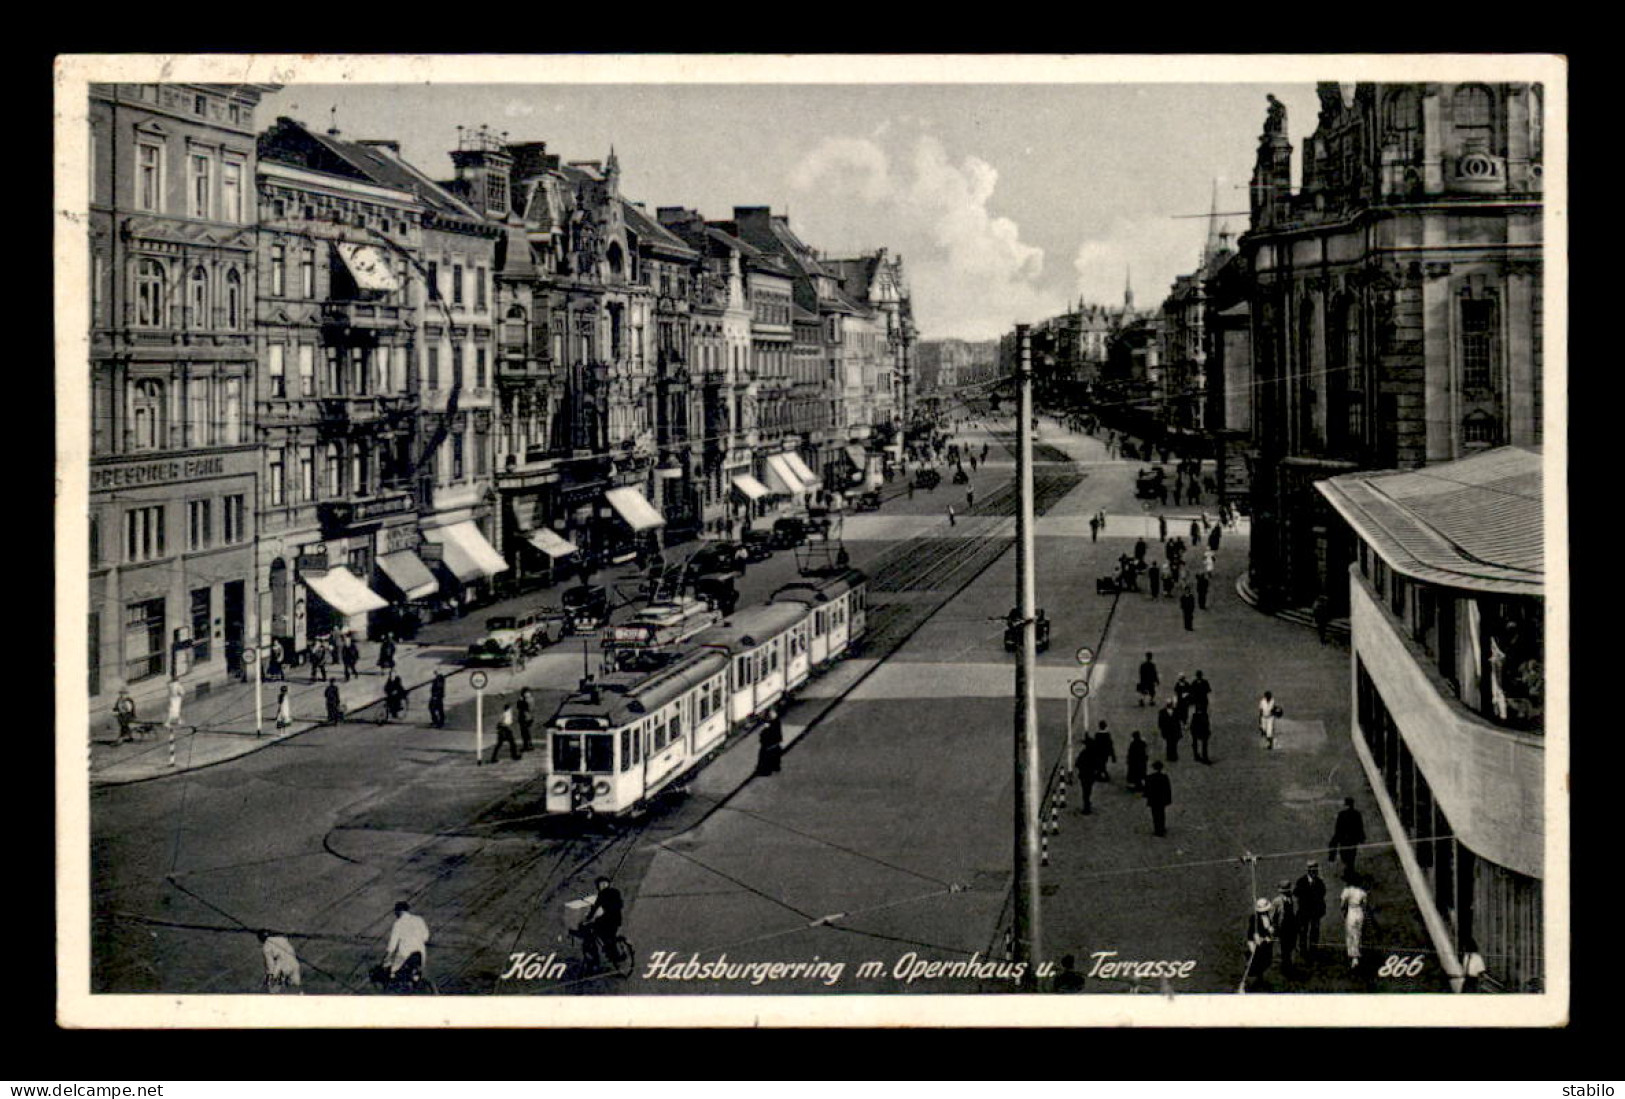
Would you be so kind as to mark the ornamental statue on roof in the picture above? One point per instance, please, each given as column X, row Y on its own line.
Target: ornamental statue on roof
column 1275, row 123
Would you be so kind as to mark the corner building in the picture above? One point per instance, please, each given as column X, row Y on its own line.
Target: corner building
column 1447, row 602
column 173, row 458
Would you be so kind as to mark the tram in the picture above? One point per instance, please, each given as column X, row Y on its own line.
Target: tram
column 629, row 735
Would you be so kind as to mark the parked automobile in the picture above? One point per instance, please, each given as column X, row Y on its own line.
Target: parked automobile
column 509, row 636
column 757, row 544
column 716, row 557
column 586, row 606
column 869, row 501
column 927, row 479
column 788, row 532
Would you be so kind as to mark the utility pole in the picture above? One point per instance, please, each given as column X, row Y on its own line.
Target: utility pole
column 1027, row 929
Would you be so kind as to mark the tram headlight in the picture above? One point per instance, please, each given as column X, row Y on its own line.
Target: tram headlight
column 560, row 786
column 601, row 787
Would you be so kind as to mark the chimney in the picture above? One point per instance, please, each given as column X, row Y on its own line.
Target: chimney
column 530, row 159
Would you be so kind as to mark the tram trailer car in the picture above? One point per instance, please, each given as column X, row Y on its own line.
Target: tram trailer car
column 840, row 612
column 632, row 735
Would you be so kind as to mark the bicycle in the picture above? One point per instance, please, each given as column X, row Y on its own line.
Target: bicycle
column 409, row 980
column 624, row 956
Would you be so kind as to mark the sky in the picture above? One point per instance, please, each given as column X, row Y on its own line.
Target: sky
column 1007, row 202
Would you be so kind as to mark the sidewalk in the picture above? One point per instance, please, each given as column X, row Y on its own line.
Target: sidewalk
column 1111, row 886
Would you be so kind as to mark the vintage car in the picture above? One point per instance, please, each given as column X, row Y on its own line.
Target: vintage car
column 868, row 501
column 510, row 636
column 1148, row 484
column 716, row 557
column 927, row 479
column 757, row 544
column 677, row 620
column 586, row 607
column 789, row 532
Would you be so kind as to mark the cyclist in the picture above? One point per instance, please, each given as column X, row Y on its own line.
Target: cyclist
column 603, row 922
column 281, row 964
column 408, row 948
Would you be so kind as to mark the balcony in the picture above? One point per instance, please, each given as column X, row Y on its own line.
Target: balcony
column 365, row 314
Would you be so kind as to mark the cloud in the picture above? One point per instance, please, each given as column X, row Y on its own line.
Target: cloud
column 1150, row 251
column 970, row 272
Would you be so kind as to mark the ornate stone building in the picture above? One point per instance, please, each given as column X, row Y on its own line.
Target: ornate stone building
column 174, row 464
column 1395, row 299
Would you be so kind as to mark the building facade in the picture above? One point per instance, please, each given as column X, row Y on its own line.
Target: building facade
column 1447, row 603
column 1396, row 302
column 174, row 463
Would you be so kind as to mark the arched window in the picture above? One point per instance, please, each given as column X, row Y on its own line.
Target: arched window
column 513, row 328
column 1480, row 429
column 197, row 298
column 146, row 414
column 234, row 299
column 615, row 258
column 335, row 470
column 1473, row 112
column 1403, row 120
column 151, row 298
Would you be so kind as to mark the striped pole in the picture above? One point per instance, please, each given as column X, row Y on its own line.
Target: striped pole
column 172, row 744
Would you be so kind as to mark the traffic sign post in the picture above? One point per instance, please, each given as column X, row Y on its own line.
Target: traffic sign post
column 253, row 658
column 1080, row 690
column 478, row 680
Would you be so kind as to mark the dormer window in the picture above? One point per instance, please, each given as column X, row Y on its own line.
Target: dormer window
column 496, row 195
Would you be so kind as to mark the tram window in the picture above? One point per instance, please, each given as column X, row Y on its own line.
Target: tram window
column 626, row 748
column 704, row 701
column 637, row 744
column 676, row 727
column 600, row 753
column 742, row 671
column 566, row 751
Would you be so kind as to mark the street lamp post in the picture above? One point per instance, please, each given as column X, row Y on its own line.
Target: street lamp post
column 1027, row 935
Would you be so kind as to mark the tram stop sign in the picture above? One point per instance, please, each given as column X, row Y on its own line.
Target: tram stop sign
column 250, row 656
column 478, row 679
column 1085, row 655
column 1080, row 688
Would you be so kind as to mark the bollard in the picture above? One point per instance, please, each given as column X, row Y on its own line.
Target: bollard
column 1044, row 856
column 1064, row 786
column 172, row 744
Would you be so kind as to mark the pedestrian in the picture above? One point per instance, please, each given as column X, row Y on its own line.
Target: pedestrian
column 1102, row 514
column 394, row 697
column 124, row 711
column 950, row 515
column 1069, row 979
column 1213, row 538
column 1201, row 733
column 1182, row 699
column 1139, row 549
column 273, row 663
column 281, row 964
column 1168, row 725
column 1159, row 794
column 1309, row 891
column 437, row 700
column 1209, row 559
column 177, row 693
column 522, row 710
column 1202, row 585
column 335, row 651
column 386, row 655
column 1472, row 965
column 505, row 735
column 770, row 746
column 973, row 463
column 1105, row 752
column 335, row 706
column 1148, row 681
column 351, row 654
column 1187, row 605
column 1353, row 900
column 1201, row 692
column 1269, row 711
column 1348, row 833
column 1322, row 611
column 1085, row 763
column 1162, row 528
column 984, row 452
column 318, row 662
column 1136, row 757
column 911, row 490
column 1154, row 571
column 1193, row 492
column 1260, row 943
column 284, row 708
column 1094, row 528
column 970, row 499
column 1284, row 915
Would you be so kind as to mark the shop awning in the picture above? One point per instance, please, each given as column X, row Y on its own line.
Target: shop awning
column 340, row 589
column 781, row 477
column 638, row 512
column 800, row 469
column 370, row 266
column 549, row 543
column 407, row 571
column 858, row 457
column 750, row 486
column 468, row 555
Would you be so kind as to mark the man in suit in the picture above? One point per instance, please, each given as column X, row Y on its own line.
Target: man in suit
column 1159, row 794
column 1347, row 835
column 1168, row 725
column 1309, row 891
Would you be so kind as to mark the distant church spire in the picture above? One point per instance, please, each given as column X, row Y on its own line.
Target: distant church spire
column 1215, row 237
column 1128, row 288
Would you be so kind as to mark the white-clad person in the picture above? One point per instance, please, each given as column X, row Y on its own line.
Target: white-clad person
column 281, row 963
column 177, row 692
column 408, row 943
column 1353, row 900
column 1268, row 712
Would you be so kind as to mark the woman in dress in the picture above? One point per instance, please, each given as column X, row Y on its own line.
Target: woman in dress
column 284, row 708
column 1268, row 711
column 1354, row 899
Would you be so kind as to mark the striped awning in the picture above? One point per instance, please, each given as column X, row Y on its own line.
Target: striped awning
column 750, row 486
column 781, row 478
column 468, row 555
column 808, row 478
column 340, row 589
column 632, row 506
column 407, row 572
